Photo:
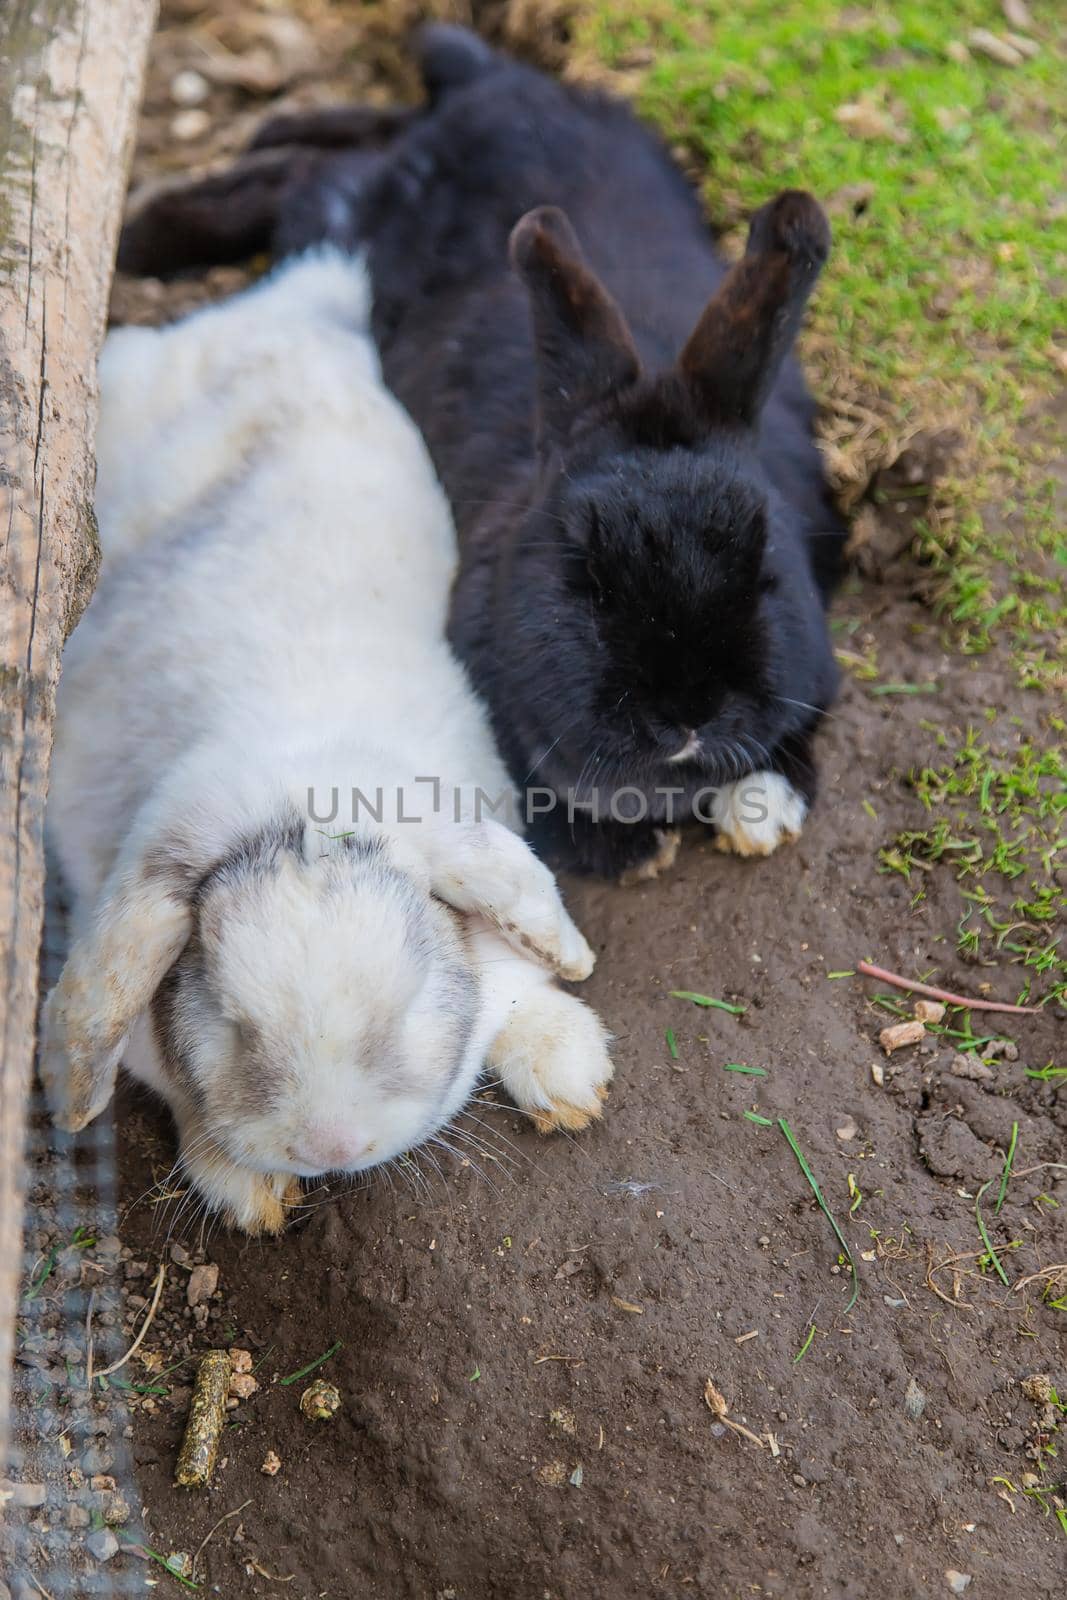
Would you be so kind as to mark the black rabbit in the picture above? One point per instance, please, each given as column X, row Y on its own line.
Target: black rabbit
column 646, row 533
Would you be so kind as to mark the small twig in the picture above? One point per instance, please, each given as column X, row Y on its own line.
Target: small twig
column 1045, row 1272
column 136, row 1345
column 933, row 1266
column 716, row 1404
column 931, row 993
column 212, row 1531
column 89, row 1340
column 38, row 1586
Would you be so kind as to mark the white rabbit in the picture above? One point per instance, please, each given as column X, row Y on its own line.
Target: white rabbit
column 269, row 627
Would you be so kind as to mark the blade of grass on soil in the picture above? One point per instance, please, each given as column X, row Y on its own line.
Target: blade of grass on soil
column 1006, row 1174
column 736, row 1066
column 707, row 1000
column 672, row 1044
column 817, row 1192
column 313, row 1366
column 986, row 1240
column 763, row 1122
column 806, row 1346
column 904, row 688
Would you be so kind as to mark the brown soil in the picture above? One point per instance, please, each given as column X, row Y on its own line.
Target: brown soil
column 450, row 1468
column 528, row 1332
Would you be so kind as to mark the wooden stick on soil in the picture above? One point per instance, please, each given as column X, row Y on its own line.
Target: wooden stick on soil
column 931, row 993
column 145, row 1325
column 70, row 81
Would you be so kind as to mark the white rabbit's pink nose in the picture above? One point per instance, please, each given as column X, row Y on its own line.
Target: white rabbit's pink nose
column 329, row 1148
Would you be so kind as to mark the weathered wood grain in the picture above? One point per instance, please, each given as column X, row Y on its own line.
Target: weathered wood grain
column 71, row 73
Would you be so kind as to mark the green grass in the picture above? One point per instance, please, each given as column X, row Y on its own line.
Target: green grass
column 313, row 1366
column 991, row 1254
column 940, row 301
column 827, row 1213
column 941, row 306
column 999, row 823
column 708, row 1002
column 1009, row 1162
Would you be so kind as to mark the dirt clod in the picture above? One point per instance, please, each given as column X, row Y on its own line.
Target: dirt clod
column 203, row 1281
column 972, row 1067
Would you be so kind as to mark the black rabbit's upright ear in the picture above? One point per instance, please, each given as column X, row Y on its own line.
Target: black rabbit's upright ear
column 735, row 350
column 449, row 56
column 583, row 346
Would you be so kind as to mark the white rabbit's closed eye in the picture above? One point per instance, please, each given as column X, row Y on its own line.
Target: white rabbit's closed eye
column 278, row 557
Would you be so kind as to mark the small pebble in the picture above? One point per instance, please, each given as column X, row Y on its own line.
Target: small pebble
column 102, row 1544
column 999, row 50
column 847, row 1130
column 914, row 1400
column 97, row 1459
column 203, row 1281
column 878, row 1074
column 116, row 1511
column 189, row 88
column 191, row 124
column 1017, row 13
column 271, row 1464
column 28, row 1496
column 958, row 1581
column 962, row 1066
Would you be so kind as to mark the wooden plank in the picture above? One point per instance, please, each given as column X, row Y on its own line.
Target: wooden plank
column 71, row 75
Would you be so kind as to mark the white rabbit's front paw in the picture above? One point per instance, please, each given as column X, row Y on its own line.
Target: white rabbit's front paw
column 552, row 1058
column 256, row 1202
column 757, row 814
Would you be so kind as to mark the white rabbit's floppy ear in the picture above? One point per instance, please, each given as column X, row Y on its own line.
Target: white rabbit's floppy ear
column 485, row 869
column 139, row 927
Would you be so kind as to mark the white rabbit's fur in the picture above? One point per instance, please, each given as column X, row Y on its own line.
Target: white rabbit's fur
column 271, row 619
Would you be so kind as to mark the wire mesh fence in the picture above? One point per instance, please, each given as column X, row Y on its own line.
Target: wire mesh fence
column 70, row 1487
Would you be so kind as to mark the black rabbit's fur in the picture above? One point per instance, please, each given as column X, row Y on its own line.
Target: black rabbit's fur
column 647, row 539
